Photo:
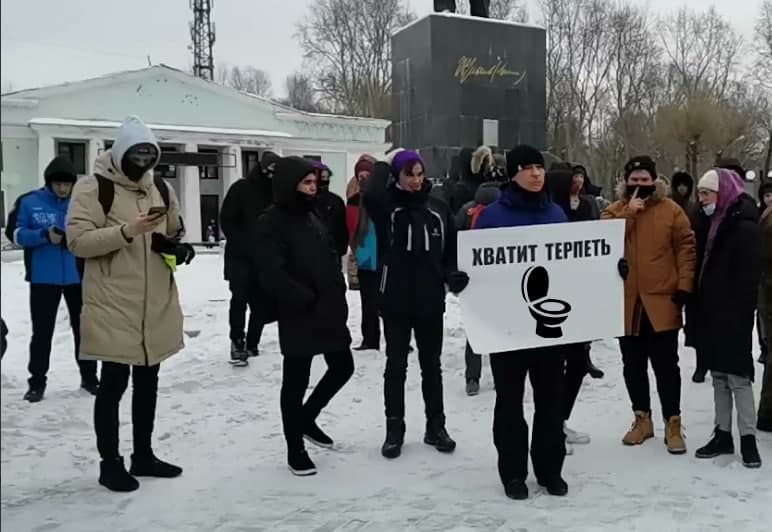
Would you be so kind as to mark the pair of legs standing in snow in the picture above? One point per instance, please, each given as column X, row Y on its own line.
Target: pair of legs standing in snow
column 299, row 418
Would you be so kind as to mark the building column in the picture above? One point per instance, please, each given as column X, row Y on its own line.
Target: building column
column 190, row 198
column 95, row 148
column 231, row 155
column 46, row 152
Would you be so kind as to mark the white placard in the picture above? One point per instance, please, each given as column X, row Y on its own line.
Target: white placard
column 585, row 296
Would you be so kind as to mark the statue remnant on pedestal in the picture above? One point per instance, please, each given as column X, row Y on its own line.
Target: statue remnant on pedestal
column 477, row 8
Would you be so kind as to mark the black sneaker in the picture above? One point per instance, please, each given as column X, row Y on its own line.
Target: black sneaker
column 472, row 387
column 90, row 385
column 720, row 443
column 239, row 353
column 395, row 438
column 438, row 437
column 516, row 489
column 555, row 486
column 253, row 352
column 150, row 466
column 594, row 371
column 300, row 464
column 315, row 435
column 699, row 375
column 750, row 452
column 35, row 395
column 113, row 476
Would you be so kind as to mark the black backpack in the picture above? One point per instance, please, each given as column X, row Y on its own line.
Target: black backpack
column 107, row 192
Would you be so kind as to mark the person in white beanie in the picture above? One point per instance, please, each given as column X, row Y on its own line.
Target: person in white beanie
column 131, row 318
column 720, row 316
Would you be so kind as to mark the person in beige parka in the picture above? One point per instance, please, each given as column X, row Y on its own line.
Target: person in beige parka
column 131, row 318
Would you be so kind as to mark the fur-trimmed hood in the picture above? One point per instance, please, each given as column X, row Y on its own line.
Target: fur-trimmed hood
column 482, row 160
column 660, row 192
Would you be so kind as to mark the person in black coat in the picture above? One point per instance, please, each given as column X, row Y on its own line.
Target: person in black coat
column 720, row 316
column 245, row 200
column 473, row 167
column 565, row 190
column 299, row 266
column 331, row 208
column 417, row 254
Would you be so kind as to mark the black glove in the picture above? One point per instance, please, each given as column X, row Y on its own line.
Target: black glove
column 623, row 267
column 183, row 253
column 681, row 297
column 457, row 281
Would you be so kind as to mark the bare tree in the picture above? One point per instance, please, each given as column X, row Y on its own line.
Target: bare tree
column 514, row 10
column 246, row 79
column 300, row 93
column 763, row 75
column 703, row 52
column 347, row 47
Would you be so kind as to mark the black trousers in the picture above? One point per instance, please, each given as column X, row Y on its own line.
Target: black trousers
column 477, row 8
column 577, row 357
column 544, row 367
column 371, row 321
column 662, row 349
column 473, row 363
column 115, row 380
column 428, row 336
column 44, row 304
column 244, row 292
column 295, row 376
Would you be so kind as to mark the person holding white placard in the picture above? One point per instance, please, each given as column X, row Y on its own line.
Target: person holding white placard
column 660, row 250
column 524, row 201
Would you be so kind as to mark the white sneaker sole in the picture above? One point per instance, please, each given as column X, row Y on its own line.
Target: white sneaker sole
column 317, row 443
column 302, row 473
column 238, row 363
column 578, row 440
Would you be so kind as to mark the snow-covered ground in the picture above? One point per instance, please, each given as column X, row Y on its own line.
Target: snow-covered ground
column 223, row 425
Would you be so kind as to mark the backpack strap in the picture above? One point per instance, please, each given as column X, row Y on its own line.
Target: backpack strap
column 106, row 193
column 163, row 189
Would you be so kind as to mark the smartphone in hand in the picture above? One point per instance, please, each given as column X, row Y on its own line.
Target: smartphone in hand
column 156, row 212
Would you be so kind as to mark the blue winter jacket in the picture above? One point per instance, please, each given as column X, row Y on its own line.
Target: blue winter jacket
column 516, row 207
column 47, row 263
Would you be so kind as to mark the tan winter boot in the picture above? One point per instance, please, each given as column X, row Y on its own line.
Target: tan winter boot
column 641, row 430
column 674, row 437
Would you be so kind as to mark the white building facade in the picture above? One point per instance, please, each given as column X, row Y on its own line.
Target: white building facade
column 187, row 114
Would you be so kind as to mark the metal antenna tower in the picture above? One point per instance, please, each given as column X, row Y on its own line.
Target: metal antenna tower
column 202, row 33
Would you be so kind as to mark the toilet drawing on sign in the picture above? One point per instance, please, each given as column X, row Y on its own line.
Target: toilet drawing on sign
column 549, row 313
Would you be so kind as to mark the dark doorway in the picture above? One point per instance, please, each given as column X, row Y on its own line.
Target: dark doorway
column 210, row 216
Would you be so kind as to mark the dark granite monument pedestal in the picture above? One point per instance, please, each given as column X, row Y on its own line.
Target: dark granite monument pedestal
column 455, row 76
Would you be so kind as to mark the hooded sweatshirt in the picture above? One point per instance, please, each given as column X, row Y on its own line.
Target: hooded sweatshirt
column 133, row 131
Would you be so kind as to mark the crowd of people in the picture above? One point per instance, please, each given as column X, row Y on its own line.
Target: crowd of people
column 110, row 244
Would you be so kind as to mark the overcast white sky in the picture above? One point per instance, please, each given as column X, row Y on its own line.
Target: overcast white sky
column 50, row 41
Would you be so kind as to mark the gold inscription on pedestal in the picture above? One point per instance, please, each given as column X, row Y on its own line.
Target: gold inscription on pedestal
column 469, row 68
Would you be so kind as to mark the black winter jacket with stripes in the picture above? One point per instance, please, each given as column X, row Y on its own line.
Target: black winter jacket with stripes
column 416, row 245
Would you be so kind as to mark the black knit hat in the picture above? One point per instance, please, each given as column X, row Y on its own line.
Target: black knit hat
column 580, row 170
column 641, row 162
column 522, row 156
column 731, row 163
column 60, row 170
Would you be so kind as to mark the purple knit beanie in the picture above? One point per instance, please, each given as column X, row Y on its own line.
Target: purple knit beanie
column 405, row 158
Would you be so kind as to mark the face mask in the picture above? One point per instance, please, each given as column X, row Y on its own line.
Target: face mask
column 644, row 191
column 709, row 209
column 138, row 160
column 307, row 201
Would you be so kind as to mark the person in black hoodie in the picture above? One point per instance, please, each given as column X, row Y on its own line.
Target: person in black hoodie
column 244, row 202
column 417, row 253
column 473, row 167
column 299, row 265
column 721, row 311
column 331, row 209
column 682, row 191
column 565, row 190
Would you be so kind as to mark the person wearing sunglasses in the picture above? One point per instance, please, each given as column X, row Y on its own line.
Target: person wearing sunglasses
column 417, row 257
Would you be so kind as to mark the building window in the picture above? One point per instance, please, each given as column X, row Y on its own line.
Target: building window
column 249, row 161
column 209, row 172
column 75, row 152
column 165, row 170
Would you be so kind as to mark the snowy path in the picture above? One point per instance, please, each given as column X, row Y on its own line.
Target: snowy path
column 222, row 425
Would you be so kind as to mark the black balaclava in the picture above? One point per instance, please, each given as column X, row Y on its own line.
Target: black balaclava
column 266, row 160
column 289, row 172
column 138, row 160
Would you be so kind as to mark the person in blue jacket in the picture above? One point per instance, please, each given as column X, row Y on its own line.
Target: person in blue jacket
column 52, row 271
column 524, row 201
